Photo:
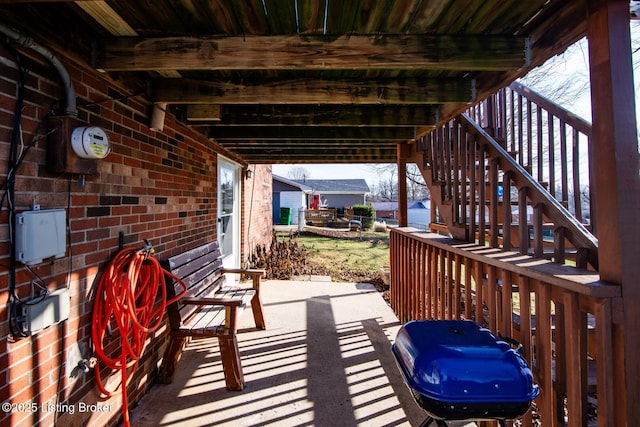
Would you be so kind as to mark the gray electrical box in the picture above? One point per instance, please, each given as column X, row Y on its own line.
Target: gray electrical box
column 40, row 235
column 42, row 312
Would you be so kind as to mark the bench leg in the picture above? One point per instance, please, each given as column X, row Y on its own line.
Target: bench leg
column 231, row 364
column 258, row 315
column 172, row 355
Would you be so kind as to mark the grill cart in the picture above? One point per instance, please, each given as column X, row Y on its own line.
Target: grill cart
column 458, row 370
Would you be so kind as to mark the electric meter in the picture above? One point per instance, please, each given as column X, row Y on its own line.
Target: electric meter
column 90, row 142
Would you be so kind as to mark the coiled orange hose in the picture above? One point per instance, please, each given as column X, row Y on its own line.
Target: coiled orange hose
column 126, row 296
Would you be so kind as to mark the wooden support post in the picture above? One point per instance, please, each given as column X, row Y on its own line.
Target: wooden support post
column 617, row 183
column 402, row 185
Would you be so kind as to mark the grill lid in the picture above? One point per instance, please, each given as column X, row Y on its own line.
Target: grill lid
column 458, row 361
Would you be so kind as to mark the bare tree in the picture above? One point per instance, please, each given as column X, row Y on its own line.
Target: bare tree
column 298, row 173
column 387, row 188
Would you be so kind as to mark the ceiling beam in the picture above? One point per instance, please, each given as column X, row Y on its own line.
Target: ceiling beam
column 317, row 133
column 314, row 52
column 311, row 155
column 286, row 144
column 319, row 115
column 315, row 91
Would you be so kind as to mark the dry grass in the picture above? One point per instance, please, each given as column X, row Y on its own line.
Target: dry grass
column 352, row 260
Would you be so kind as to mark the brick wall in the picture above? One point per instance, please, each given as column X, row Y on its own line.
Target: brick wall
column 258, row 221
column 159, row 186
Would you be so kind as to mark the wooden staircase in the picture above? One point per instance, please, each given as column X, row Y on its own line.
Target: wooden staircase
column 513, row 173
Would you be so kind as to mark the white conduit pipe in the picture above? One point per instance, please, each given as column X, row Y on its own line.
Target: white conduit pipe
column 28, row 42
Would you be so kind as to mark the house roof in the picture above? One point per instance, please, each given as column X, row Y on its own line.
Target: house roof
column 312, row 81
column 337, row 186
column 419, row 204
column 296, row 185
column 393, row 206
column 385, row 206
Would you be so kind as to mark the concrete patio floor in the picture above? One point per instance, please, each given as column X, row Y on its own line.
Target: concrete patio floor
column 325, row 360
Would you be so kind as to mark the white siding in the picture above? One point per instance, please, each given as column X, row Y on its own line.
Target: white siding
column 295, row 200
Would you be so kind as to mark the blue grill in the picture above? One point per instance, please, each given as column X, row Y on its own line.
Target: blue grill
column 458, row 370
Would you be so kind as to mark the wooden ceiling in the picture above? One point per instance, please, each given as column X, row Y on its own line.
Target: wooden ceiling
column 307, row 81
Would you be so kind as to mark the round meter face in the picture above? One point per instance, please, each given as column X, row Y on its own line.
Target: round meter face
column 90, row 142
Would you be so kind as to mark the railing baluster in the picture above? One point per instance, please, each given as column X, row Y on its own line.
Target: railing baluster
column 506, row 315
column 520, row 155
column 493, row 201
column 559, row 254
column 442, row 285
column 491, row 296
column 503, row 117
column 464, row 175
column 423, row 281
column 564, row 161
column 506, row 210
column 433, row 282
column 479, row 275
column 481, row 178
column 605, row 362
column 512, row 134
column 448, row 296
column 447, row 161
column 455, row 143
column 544, row 355
column 525, row 336
column 523, row 224
column 551, row 155
column 577, row 191
column 473, row 162
column 457, row 288
column 538, row 242
column 540, row 152
column 529, row 163
column 559, row 336
column 468, row 298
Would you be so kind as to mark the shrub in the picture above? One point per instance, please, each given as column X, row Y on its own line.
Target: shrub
column 365, row 213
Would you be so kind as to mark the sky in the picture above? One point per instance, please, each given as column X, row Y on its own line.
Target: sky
column 334, row 171
column 569, row 68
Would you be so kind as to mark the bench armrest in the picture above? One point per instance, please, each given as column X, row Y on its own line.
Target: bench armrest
column 255, row 274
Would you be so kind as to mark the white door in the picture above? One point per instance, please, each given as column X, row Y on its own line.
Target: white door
column 229, row 212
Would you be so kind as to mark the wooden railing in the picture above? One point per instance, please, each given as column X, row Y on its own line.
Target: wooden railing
column 564, row 316
column 551, row 143
column 488, row 189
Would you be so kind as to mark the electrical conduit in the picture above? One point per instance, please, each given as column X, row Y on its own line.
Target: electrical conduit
column 26, row 41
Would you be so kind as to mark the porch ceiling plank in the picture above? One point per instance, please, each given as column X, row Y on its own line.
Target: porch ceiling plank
column 285, row 144
column 313, row 52
column 323, row 115
column 323, row 133
column 304, row 157
column 315, row 91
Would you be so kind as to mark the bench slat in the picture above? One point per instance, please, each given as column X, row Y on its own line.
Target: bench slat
column 192, row 254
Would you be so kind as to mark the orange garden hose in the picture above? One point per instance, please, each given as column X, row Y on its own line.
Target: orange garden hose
column 126, row 297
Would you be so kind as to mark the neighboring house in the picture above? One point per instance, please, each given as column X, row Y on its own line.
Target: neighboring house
column 288, row 194
column 337, row 193
column 386, row 210
column 418, row 212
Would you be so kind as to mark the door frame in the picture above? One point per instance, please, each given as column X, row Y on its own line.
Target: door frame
column 230, row 260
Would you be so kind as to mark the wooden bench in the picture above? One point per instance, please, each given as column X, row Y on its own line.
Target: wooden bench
column 209, row 309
